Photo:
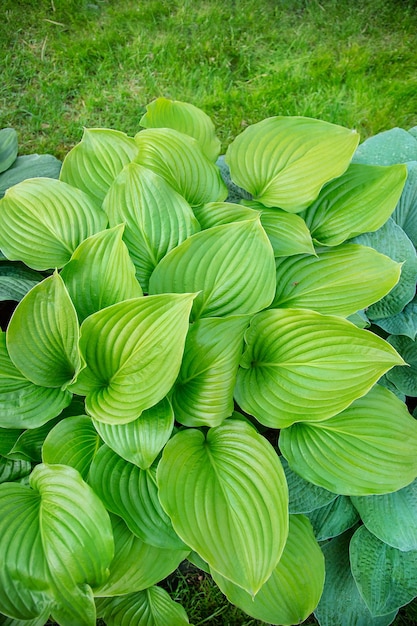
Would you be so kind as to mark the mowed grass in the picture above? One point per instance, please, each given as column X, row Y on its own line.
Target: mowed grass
column 69, row 64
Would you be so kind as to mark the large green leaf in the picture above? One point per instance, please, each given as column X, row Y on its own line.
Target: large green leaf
column 140, row 441
column 133, row 350
column 294, row 588
column 203, row 393
column 392, row 517
column 136, row 565
column 334, row 518
column 151, row 607
column 303, row 495
column 156, row 217
column 100, row 273
column 132, row 493
column 42, row 336
column 186, row 118
column 181, row 160
column 16, row 280
column 369, row 448
column 57, row 530
column 338, row 280
column 232, row 265
column 94, row 163
column 405, row 378
column 22, row 403
column 300, row 365
column 340, row 594
column 284, row 161
column 359, row 201
column 43, row 220
column 227, row 498
column 392, row 241
column 386, row 577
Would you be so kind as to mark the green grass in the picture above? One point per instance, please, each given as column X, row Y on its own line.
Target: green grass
column 72, row 63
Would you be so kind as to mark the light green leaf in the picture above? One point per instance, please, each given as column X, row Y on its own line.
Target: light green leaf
column 140, row 441
column 359, row 201
column 303, row 495
column 94, row 163
column 156, row 217
column 12, row 469
column 100, row 273
column 132, row 493
column 387, row 148
column 301, row 365
column 217, row 213
column 340, row 594
column 43, row 220
column 182, row 162
column 16, row 280
column 232, row 265
column 386, row 577
column 74, row 442
column 29, row 166
column 151, row 607
column 285, row 161
column 203, row 393
column 339, row 281
column 134, row 366
column 403, row 323
column 42, row 336
column 392, row 241
column 293, row 590
column 405, row 378
column 333, row 518
column 186, row 118
column 220, row 504
column 369, row 448
column 136, row 565
column 392, row 517
column 405, row 211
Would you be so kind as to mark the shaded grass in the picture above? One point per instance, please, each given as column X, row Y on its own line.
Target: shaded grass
column 71, row 63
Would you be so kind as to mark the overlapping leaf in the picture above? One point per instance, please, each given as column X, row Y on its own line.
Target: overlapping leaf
column 333, row 518
column 376, row 432
column 220, row 504
column 405, row 211
column 51, row 213
column 284, row 161
column 406, row 380
column 232, row 265
column 16, row 280
column 303, row 495
column 300, row 365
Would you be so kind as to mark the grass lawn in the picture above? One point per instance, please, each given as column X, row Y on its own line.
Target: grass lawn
column 69, row 64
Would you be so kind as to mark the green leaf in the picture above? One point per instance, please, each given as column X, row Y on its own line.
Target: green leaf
column 182, row 162
column 93, row 164
column 136, row 565
column 235, row 193
column 43, row 220
column 100, row 273
column 132, row 493
column 140, row 441
column 403, row 323
column 405, row 378
column 334, row 518
column 22, row 403
column 369, row 448
column 74, row 442
column 284, row 161
column 232, row 265
column 29, row 166
column 392, row 517
column 287, row 232
column 11, row 469
column 340, row 594
column 339, row 281
column 38, row 621
column 42, row 336
column 217, row 213
column 215, row 492
column 8, row 438
column 405, row 211
column 387, row 148
column 152, row 607
column 303, row 495
column 156, row 217
column 16, row 280
column 8, row 148
column 392, row 241
column 29, row 444
column 301, row 365
column 134, row 366
column 203, row 393
column 186, row 118
column 386, row 577
column 359, row 201
column 293, row 590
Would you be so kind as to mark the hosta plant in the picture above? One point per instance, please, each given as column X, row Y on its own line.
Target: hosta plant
column 189, row 374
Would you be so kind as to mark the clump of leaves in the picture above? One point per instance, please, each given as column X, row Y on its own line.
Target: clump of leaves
column 188, row 375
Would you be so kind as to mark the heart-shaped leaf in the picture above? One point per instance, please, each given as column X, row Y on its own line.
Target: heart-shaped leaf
column 51, row 213
column 284, row 161
column 134, row 366
column 232, row 265
column 220, row 504
column 301, row 365
column 335, row 454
